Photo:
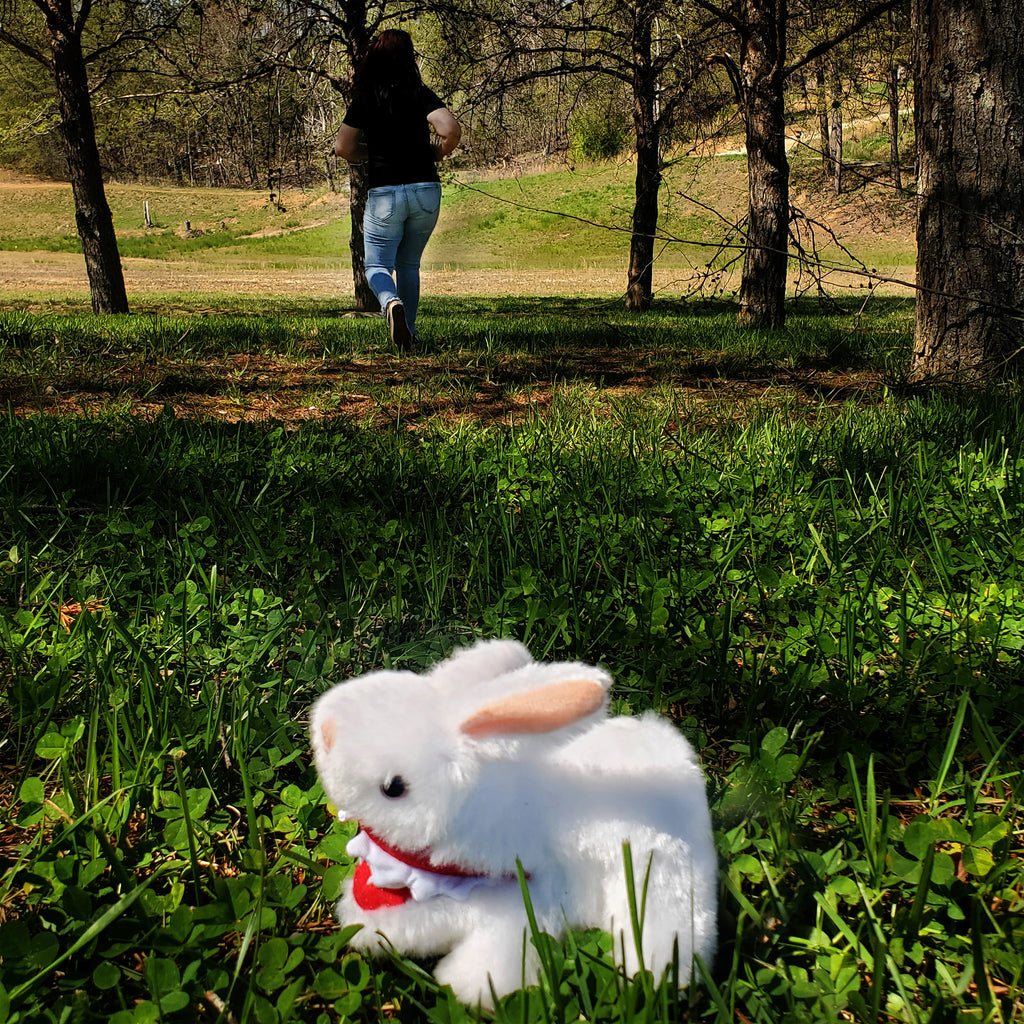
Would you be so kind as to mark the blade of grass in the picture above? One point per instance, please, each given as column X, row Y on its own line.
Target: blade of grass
column 93, row 931
column 949, row 753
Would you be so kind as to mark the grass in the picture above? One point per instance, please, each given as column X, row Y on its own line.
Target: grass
column 496, row 352
column 579, row 219
column 572, row 219
column 826, row 596
column 41, row 210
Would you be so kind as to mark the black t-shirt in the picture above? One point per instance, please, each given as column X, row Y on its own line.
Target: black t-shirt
column 398, row 141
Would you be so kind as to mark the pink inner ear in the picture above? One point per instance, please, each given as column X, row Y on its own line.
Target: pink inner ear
column 327, row 733
column 537, row 711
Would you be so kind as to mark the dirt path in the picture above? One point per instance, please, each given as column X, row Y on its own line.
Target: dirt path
column 63, row 274
column 62, row 277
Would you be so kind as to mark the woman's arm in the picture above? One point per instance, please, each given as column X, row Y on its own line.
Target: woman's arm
column 448, row 130
column 350, row 145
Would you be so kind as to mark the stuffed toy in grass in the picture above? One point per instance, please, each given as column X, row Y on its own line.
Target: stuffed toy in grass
column 491, row 758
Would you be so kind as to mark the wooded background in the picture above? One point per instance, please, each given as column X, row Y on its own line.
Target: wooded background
column 247, row 92
column 232, row 91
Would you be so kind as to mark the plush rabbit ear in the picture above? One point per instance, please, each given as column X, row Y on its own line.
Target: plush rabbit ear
column 327, row 733
column 485, row 660
column 544, row 709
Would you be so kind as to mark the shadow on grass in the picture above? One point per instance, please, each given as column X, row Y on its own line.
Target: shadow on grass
column 489, row 359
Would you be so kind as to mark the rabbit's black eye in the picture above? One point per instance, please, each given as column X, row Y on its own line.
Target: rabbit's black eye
column 394, row 787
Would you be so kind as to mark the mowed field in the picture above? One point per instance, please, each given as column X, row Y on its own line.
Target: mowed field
column 550, row 231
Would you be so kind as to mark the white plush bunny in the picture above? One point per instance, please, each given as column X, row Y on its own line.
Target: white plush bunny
column 490, row 757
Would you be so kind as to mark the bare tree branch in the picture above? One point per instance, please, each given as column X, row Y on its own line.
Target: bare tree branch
column 851, row 30
column 723, row 15
column 24, row 48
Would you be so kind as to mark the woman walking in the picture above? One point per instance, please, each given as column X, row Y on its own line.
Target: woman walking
column 387, row 125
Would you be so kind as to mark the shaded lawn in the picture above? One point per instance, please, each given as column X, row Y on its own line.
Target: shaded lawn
column 488, row 360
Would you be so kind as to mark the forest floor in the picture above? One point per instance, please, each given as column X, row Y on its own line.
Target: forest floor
column 382, row 389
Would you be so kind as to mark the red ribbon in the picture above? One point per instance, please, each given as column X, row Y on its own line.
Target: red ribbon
column 371, row 897
column 420, row 859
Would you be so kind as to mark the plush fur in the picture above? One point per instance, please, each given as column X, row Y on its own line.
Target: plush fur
column 502, row 757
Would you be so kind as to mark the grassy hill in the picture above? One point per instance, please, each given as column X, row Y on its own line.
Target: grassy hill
column 575, row 220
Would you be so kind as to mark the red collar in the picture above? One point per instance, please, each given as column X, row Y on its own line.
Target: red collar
column 371, row 897
column 420, row 859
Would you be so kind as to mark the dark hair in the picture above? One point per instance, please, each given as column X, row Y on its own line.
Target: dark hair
column 388, row 70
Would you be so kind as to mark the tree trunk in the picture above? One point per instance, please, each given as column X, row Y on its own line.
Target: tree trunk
column 640, row 287
column 366, row 301
column 821, row 105
column 357, row 42
column 78, row 134
column 892, row 87
column 969, row 116
column 762, row 59
column 836, row 141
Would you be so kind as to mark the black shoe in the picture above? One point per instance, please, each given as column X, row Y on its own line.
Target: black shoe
column 398, row 329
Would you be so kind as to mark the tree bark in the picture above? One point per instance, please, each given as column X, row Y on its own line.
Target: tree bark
column 640, row 286
column 357, row 37
column 892, row 87
column 821, row 107
column 835, row 138
column 762, row 61
column 969, row 117
column 78, row 134
column 366, row 301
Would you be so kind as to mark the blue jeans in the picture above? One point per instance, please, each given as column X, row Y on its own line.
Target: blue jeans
column 397, row 224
